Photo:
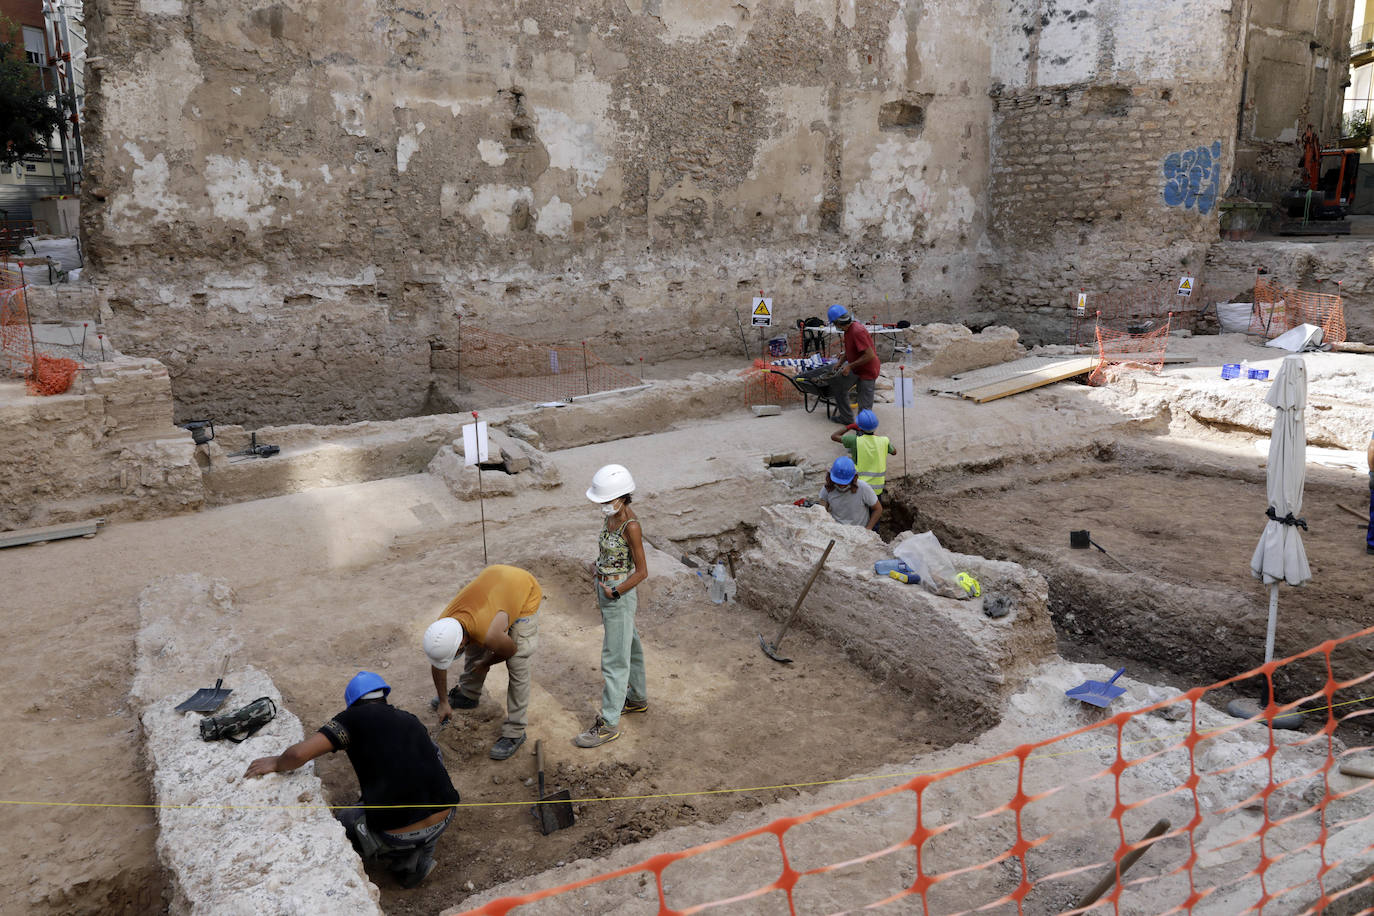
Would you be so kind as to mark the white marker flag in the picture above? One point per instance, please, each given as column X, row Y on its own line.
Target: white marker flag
column 905, row 392
column 475, row 443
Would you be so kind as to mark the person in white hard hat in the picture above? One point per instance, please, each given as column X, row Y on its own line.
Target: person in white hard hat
column 492, row 620
column 618, row 568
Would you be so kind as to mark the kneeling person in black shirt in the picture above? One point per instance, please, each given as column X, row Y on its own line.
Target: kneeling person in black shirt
column 397, row 764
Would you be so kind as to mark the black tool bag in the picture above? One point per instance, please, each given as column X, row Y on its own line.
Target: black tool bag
column 241, row 724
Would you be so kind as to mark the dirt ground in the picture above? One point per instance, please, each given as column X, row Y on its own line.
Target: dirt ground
column 722, row 716
column 1184, row 519
column 330, row 581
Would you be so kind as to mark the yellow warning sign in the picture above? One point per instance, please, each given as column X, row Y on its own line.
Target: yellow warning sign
column 1185, row 286
column 763, row 313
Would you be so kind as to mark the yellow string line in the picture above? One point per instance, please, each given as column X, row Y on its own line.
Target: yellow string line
column 661, row 795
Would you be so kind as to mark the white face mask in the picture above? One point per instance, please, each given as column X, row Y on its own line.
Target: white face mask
column 610, row 508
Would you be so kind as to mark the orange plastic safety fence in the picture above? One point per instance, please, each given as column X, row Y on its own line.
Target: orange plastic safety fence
column 1117, row 348
column 532, row 371
column 52, row 374
column 762, row 385
column 1281, row 308
column 1254, row 822
column 16, row 336
column 1142, row 306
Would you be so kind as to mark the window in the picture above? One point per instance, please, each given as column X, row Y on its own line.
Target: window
column 35, row 46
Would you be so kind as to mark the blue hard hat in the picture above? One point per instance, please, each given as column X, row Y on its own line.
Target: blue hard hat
column 843, row 471
column 867, row 420
column 837, row 312
column 364, row 682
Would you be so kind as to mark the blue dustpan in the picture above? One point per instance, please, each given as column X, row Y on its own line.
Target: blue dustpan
column 1097, row 693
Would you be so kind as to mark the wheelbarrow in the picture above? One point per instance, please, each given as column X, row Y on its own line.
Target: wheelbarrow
column 1098, row 693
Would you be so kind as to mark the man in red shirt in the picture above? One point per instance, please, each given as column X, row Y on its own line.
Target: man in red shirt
column 859, row 369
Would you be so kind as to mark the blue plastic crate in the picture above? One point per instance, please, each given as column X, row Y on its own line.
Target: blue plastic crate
column 1230, row 370
column 1259, row 374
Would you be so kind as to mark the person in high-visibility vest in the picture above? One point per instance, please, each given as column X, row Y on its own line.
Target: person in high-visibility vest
column 868, row 449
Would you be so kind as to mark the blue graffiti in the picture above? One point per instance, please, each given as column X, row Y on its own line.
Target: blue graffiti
column 1191, row 178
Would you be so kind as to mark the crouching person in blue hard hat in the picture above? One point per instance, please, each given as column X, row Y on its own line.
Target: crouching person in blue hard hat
column 868, row 449
column 849, row 499
column 407, row 797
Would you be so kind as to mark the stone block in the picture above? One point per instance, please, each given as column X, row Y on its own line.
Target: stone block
column 238, row 846
column 944, row 650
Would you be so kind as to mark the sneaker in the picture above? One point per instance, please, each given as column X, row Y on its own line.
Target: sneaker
column 413, row 879
column 597, row 735
column 634, row 706
column 504, row 747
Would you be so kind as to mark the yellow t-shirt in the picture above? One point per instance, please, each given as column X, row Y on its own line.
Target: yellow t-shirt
column 496, row 589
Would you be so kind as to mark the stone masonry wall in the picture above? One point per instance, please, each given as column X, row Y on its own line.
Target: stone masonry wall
column 1113, row 124
column 106, row 448
column 290, row 204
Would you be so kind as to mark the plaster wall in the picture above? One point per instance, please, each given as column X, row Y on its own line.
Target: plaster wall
column 291, row 203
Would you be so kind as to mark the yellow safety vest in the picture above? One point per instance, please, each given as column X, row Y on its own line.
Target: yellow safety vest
column 871, row 460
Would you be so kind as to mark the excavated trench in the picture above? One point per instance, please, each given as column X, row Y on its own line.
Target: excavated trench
column 1185, row 526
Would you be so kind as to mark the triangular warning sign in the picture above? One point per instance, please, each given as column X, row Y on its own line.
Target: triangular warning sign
column 1186, row 286
column 761, row 309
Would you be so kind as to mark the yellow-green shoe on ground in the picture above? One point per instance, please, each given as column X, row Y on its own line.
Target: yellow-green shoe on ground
column 597, row 735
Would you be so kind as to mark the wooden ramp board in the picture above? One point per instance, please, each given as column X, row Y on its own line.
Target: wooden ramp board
column 977, row 378
column 1014, row 377
column 50, row 533
column 1047, row 375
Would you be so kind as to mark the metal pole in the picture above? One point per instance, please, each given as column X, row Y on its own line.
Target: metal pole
column 586, row 375
column 481, row 500
column 902, row 382
column 84, row 325
column 1273, row 623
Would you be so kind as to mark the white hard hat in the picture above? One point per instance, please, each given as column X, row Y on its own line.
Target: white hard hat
column 611, row 482
column 443, row 639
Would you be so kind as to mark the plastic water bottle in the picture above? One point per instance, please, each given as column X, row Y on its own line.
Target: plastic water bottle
column 883, row 567
column 716, row 586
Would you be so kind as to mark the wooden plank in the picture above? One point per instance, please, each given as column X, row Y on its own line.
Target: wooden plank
column 50, row 533
column 1062, row 370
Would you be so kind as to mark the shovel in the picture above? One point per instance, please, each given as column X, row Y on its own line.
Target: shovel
column 208, row 699
column 1098, row 693
column 1081, row 540
column 554, row 812
column 771, row 648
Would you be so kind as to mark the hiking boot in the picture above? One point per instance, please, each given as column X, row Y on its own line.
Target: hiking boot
column 413, row 879
column 504, row 747
column 634, row 706
column 456, row 700
column 597, row 735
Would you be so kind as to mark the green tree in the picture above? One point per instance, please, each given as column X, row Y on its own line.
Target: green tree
column 28, row 115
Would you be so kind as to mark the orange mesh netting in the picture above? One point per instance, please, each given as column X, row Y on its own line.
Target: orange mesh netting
column 1281, row 308
column 1123, row 348
column 42, row 373
column 16, row 337
column 1254, row 820
column 765, row 385
column 532, row 371
column 52, row 374
column 1135, row 305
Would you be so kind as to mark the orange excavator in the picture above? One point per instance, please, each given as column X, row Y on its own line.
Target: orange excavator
column 1326, row 183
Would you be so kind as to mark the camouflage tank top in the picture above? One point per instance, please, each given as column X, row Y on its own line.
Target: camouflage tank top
column 613, row 558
